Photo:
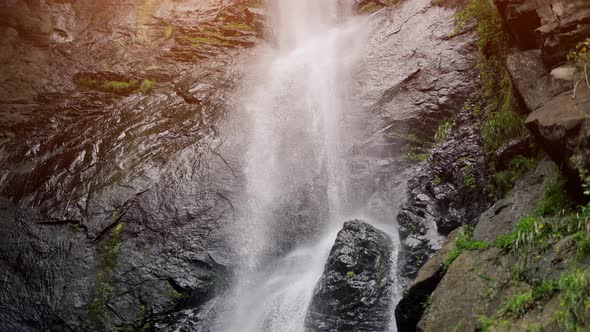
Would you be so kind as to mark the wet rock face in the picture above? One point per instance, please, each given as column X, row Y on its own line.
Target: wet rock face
column 414, row 77
column 115, row 190
column 355, row 290
column 446, row 192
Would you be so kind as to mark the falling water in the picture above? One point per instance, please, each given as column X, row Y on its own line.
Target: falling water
column 295, row 167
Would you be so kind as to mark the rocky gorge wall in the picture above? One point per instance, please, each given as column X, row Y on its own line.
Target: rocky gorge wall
column 117, row 185
column 511, row 270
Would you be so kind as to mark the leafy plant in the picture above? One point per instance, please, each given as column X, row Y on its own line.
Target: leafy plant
column 555, row 200
column 499, row 127
column 464, row 242
column 469, row 180
column 574, row 314
column 443, row 131
column 518, row 305
column 580, row 57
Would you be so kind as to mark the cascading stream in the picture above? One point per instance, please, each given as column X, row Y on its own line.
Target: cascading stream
column 295, row 164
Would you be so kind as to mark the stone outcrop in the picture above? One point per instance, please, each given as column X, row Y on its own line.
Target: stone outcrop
column 446, row 192
column 554, row 91
column 356, row 288
column 442, row 300
column 554, row 26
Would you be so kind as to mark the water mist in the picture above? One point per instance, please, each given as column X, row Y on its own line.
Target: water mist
column 295, row 165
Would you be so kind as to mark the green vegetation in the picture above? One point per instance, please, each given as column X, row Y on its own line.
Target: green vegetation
column 117, row 87
column 415, row 150
column 369, row 7
column 173, row 294
column 499, row 127
column 500, row 122
column 108, row 253
column 350, row 275
column 146, row 86
column 443, row 131
column 75, row 228
column 580, row 58
column 469, row 180
column 504, row 181
column 517, row 305
column 555, row 200
column 574, row 289
column 464, row 242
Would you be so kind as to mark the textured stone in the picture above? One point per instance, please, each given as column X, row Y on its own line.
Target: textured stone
column 356, row 288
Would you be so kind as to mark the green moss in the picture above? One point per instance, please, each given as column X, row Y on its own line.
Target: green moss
column 495, row 85
column 75, row 228
column 451, row 256
column 146, row 86
column 464, row 242
column 173, row 294
column 117, row 87
column 107, row 251
column 436, row 181
column 369, row 7
column 469, row 180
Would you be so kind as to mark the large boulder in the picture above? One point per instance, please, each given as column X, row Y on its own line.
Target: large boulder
column 356, row 288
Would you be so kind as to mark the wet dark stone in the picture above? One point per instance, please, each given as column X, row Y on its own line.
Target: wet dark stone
column 355, row 290
column 447, row 191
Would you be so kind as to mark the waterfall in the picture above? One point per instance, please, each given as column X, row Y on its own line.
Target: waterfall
column 298, row 117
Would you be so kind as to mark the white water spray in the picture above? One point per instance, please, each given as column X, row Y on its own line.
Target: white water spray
column 295, row 164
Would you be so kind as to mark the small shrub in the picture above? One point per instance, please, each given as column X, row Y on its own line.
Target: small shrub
column 350, row 275
column 555, row 200
column 518, row 305
column 499, row 127
column 504, row 180
column 469, row 180
column 574, row 314
column 443, row 131
column 580, row 58
column 582, row 241
column 544, row 290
